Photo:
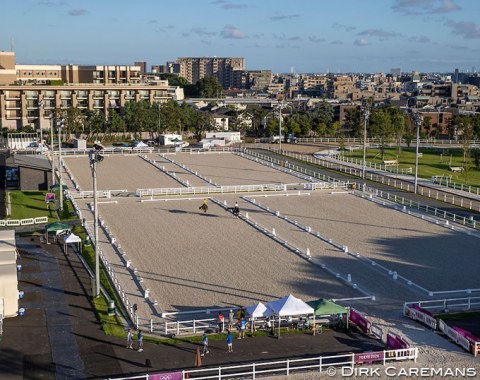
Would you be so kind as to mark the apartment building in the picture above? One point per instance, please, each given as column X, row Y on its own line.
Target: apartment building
column 22, row 105
column 194, row 69
column 12, row 73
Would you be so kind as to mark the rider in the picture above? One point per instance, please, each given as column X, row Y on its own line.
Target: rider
column 236, row 210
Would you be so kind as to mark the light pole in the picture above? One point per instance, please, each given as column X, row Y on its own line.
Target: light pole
column 40, row 107
column 52, row 121
column 366, row 114
column 95, row 157
column 418, row 121
column 60, row 125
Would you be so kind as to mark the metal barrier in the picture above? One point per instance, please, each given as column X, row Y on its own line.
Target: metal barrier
column 23, row 222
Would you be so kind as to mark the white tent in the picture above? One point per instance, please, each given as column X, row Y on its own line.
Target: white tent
column 289, row 306
column 258, row 310
column 72, row 239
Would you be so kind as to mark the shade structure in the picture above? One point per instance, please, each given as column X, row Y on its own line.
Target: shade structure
column 72, row 239
column 290, row 306
column 258, row 310
column 57, row 187
column 57, row 226
column 324, row 307
column 9, row 289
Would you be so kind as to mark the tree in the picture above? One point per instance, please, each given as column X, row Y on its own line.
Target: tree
column 353, row 121
column 323, row 113
column 94, row 123
column 117, row 124
column 380, row 126
column 209, row 87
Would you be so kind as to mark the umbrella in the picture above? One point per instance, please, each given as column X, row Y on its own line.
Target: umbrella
column 57, row 187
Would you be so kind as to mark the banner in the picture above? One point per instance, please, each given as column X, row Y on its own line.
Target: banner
column 362, row 322
column 166, row 376
column 369, row 357
column 49, row 197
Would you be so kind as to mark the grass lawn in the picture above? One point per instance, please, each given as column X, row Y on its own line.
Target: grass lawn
column 434, row 162
column 31, row 204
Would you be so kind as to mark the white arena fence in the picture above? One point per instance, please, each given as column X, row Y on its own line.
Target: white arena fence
column 423, row 308
column 371, row 165
column 444, row 196
column 23, row 222
column 100, row 193
column 360, row 140
column 447, row 182
column 231, row 189
column 323, row 364
column 449, row 216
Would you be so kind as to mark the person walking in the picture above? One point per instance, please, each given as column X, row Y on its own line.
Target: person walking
column 229, row 341
column 130, row 339
column 140, row 341
column 205, row 344
column 221, row 322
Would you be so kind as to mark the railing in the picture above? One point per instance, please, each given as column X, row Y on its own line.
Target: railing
column 23, row 222
column 100, row 194
column 336, row 364
column 377, row 141
column 448, row 304
column 447, row 182
column 439, row 213
column 444, row 196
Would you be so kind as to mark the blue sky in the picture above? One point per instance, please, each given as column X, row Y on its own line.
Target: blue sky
column 300, row 35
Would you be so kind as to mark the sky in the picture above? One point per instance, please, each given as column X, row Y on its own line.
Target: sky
column 301, row 36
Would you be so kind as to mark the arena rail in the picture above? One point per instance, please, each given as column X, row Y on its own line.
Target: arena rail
column 23, row 222
column 334, row 364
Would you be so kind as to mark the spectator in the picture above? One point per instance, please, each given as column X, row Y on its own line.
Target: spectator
column 205, row 344
column 229, row 341
column 140, row 341
column 221, row 322
column 230, row 319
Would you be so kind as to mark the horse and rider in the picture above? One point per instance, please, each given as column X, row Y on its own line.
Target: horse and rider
column 234, row 210
column 204, row 206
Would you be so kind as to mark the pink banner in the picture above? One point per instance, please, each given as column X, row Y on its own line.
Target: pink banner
column 467, row 334
column 49, row 197
column 369, row 357
column 362, row 322
column 424, row 311
column 166, row 376
column 393, row 343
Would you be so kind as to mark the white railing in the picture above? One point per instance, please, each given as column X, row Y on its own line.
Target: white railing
column 335, row 364
column 210, row 190
column 447, row 182
column 100, row 194
column 448, row 304
column 439, row 213
column 377, row 141
column 23, row 222
column 454, row 335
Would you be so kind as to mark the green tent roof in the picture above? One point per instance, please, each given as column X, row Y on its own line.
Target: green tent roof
column 323, row 306
column 57, row 187
column 57, row 226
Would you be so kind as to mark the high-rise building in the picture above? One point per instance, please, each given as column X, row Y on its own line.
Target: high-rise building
column 194, row 69
column 142, row 65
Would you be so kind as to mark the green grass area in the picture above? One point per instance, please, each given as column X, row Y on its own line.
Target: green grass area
column 31, row 204
column 466, row 315
column 433, row 162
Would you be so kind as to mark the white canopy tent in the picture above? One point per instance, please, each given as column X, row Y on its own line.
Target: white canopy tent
column 7, row 235
column 289, row 306
column 72, row 239
column 9, row 289
column 258, row 310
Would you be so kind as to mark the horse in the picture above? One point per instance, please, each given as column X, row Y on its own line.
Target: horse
column 203, row 207
column 234, row 210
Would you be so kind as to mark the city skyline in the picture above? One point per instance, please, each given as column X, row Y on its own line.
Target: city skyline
column 303, row 36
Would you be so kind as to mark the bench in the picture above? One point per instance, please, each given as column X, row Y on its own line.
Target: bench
column 456, row 169
column 390, row 162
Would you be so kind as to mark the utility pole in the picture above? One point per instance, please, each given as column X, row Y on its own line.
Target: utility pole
column 366, row 115
column 418, row 122
column 52, row 121
column 60, row 125
column 96, row 157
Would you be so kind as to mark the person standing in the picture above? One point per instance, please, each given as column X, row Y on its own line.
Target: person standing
column 205, row 344
column 243, row 326
column 229, row 341
column 130, row 339
column 140, row 341
column 230, row 319
column 221, row 322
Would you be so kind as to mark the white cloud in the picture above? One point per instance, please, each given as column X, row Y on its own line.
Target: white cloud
column 361, row 42
column 420, row 7
column 230, row 31
column 466, row 29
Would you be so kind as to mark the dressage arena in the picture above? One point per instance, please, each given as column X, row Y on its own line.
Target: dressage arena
column 328, row 243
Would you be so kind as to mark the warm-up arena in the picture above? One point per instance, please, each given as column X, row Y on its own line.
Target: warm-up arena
column 169, row 256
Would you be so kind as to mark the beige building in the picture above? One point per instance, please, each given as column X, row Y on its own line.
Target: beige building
column 32, row 104
column 28, row 98
column 194, row 69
